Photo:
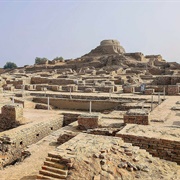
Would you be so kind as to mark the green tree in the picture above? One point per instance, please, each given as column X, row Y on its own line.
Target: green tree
column 39, row 60
column 59, row 58
column 10, row 65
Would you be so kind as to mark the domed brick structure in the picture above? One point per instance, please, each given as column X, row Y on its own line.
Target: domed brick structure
column 107, row 47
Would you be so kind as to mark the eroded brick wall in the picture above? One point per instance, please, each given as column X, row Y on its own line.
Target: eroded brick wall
column 136, row 119
column 162, row 148
column 10, row 117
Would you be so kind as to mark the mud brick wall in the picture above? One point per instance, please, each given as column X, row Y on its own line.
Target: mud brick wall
column 166, row 80
column 105, row 89
column 61, row 81
column 41, row 87
column 128, row 89
column 28, row 134
column 67, row 88
column 19, row 82
column 10, row 116
column 162, row 80
column 76, row 104
column 9, row 88
column 117, row 88
column 149, row 91
column 25, row 104
column 55, row 88
column 175, row 80
column 156, row 71
column 69, row 118
column 162, row 148
column 39, row 80
column 172, row 90
column 30, row 87
column 89, row 121
column 18, row 86
column 136, row 119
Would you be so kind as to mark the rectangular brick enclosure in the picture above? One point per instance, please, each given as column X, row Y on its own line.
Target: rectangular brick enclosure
column 136, row 116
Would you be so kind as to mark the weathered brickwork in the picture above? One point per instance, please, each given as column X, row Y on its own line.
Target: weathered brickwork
column 136, row 116
column 162, row 148
column 172, row 89
column 149, row 91
column 89, row 121
column 10, row 116
column 69, row 118
column 22, row 136
column 77, row 104
column 136, row 119
column 128, row 89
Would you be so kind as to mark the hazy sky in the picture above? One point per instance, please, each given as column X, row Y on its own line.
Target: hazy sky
column 30, row 29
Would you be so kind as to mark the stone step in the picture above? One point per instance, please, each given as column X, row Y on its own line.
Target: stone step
column 40, row 176
column 51, row 174
column 55, row 170
column 55, row 165
column 53, row 159
column 54, row 155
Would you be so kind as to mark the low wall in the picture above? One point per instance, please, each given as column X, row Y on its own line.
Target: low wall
column 162, row 148
column 136, row 119
column 76, row 104
column 18, row 138
column 25, row 135
column 69, row 118
column 25, row 104
column 94, row 97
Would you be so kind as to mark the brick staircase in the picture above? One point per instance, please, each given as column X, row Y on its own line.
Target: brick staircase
column 52, row 168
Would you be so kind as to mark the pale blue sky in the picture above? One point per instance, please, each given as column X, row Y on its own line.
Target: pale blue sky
column 30, row 29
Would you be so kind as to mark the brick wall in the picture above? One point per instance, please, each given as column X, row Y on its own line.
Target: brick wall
column 25, row 135
column 136, row 119
column 89, row 121
column 172, row 90
column 77, row 104
column 149, row 91
column 162, row 148
column 69, row 118
column 31, row 133
column 128, row 89
column 10, row 117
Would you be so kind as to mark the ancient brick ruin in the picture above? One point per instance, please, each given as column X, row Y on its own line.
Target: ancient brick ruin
column 109, row 114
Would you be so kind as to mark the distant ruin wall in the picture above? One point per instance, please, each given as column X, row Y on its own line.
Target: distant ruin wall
column 166, row 80
column 75, row 104
column 56, row 81
column 162, row 148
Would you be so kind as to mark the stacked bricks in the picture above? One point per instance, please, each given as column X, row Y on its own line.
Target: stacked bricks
column 9, row 88
column 69, row 88
column 136, row 116
column 172, row 89
column 69, row 118
column 66, row 136
column 56, row 88
column 89, row 121
column 149, row 91
column 11, row 116
column 128, row 89
column 162, row 148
